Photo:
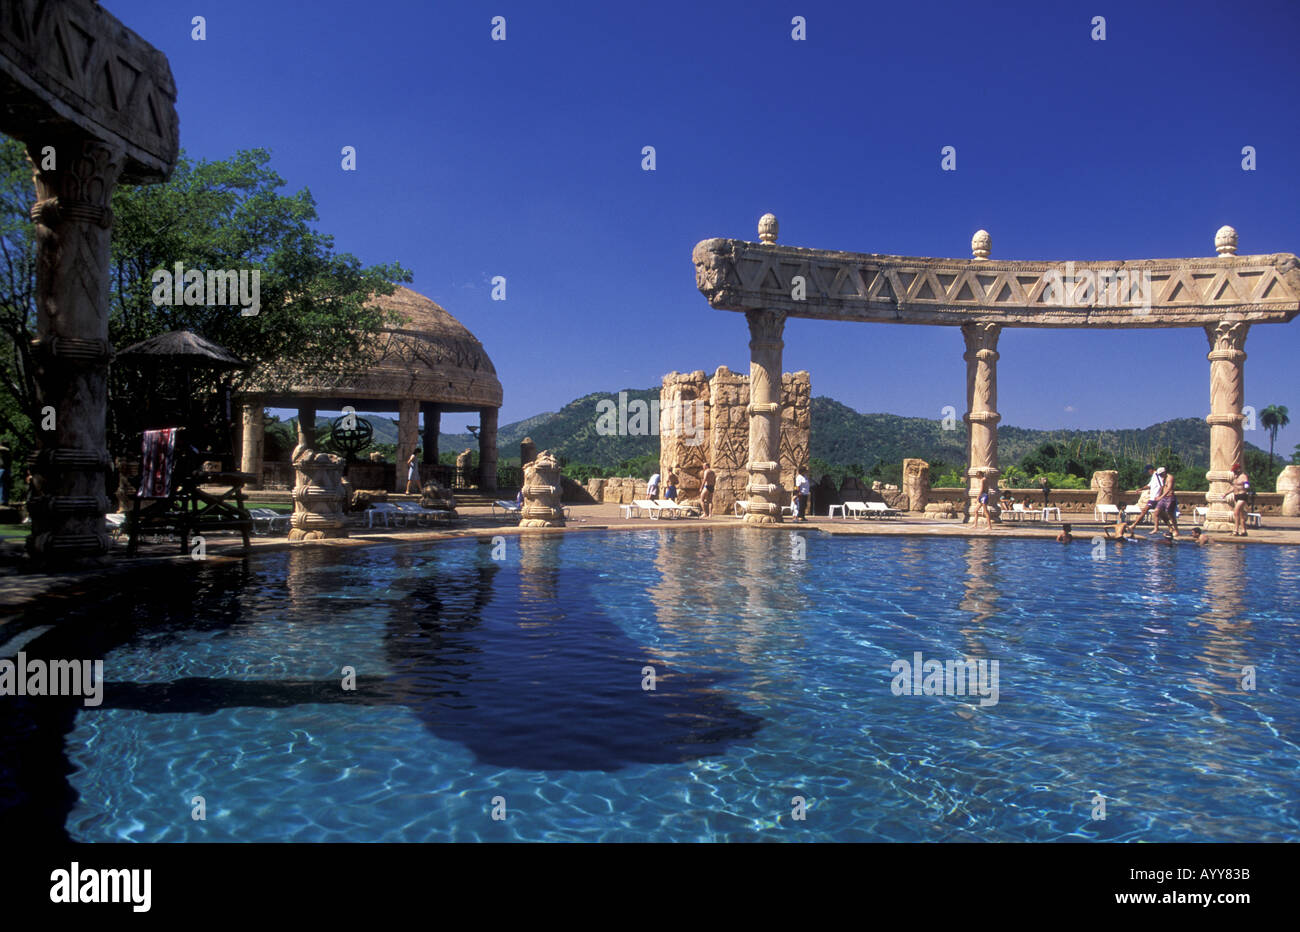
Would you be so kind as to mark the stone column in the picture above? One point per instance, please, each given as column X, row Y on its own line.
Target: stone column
column 251, row 448
column 432, row 425
column 765, row 346
column 916, row 483
column 487, row 449
column 981, row 407
column 408, row 437
column 1227, row 392
column 72, row 352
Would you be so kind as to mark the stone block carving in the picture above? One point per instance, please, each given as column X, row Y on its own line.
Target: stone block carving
column 916, row 483
column 1288, row 484
column 1105, row 482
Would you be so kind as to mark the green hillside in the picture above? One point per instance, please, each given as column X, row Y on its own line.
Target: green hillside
column 840, row 436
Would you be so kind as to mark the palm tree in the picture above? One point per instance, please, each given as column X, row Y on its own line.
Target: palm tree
column 1274, row 418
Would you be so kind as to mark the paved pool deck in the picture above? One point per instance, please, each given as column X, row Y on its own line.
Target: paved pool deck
column 20, row 587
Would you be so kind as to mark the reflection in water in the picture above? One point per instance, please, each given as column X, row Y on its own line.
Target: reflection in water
column 1223, row 649
column 981, row 592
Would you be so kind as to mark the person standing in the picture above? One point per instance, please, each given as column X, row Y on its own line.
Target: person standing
column 707, row 480
column 982, row 508
column 670, row 492
column 1046, row 486
column 1154, row 487
column 1239, row 496
column 802, row 490
column 1166, row 505
column 413, row 472
column 652, row 488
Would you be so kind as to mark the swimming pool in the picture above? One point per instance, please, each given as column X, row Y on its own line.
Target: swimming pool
column 517, row 685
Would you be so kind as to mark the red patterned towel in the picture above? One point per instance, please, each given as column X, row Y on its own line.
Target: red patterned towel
column 157, row 455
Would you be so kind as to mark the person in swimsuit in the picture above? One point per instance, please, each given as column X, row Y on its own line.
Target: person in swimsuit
column 1167, row 506
column 1065, row 537
column 707, row 480
column 983, row 507
column 1238, row 497
column 670, row 492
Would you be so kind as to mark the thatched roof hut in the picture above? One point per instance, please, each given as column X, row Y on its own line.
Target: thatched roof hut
column 428, row 362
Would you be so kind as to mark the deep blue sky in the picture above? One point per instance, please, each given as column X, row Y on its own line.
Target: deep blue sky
column 523, row 158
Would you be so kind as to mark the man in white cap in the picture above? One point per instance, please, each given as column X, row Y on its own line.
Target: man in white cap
column 1153, row 491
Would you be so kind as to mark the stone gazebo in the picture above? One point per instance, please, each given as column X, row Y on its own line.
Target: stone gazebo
column 427, row 364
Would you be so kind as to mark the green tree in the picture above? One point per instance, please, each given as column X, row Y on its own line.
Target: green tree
column 222, row 215
column 1274, row 418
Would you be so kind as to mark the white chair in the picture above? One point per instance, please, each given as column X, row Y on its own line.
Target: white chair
column 1254, row 519
column 880, row 510
column 856, row 509
column 831, row 511
column 1047, row 511
column 268, row 519
column 1105, row 514
column 655, row 510
column 741, row 508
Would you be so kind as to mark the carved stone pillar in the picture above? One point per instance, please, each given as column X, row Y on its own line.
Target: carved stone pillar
column 1227, row 392
column 408, row 437
column 916, row 483
column 981, row 407
column 765, row 346
column 542, row 489
column 432, row 425
column 251, row 448
column 72, row 352
column 487, row 449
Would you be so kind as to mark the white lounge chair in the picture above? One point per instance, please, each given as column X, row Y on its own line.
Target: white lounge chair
column 510, row 508
column 856, row 509
column 1105, row 514
column 1254, row 519
column 268, row 520
column 657, row 509
column 880, row 510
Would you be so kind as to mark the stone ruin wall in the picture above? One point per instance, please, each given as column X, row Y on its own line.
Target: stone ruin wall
column 705, row 418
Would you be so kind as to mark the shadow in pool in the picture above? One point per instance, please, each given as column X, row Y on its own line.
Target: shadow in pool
column 516, row 664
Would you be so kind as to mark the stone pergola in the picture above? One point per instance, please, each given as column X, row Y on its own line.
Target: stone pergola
column 427, row 364
column 1224, row 295
column 94, row 104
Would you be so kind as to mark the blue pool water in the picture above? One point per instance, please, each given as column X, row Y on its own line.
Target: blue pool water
column 522, row 679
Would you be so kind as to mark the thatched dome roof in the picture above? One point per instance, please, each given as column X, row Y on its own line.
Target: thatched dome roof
column 427, row 356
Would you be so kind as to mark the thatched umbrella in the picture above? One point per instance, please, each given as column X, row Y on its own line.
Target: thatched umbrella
column 185, row 352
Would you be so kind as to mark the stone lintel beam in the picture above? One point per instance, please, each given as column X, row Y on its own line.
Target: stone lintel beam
column 72, row 70
column 742, row 276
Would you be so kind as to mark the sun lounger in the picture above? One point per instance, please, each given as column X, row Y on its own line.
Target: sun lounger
column 880, row 510
column 1105, row 514
column 268, row 520
column 657, row 509
column 511, row 509
column 385, row 512
column 116, row 524
column 1254, row 519
column 856, row 509
column 1021, row 513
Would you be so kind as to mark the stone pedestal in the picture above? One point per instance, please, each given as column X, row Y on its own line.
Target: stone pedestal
column 765, row 347
column 1105, row 482
column 1288, row 485
column 542, row 493
column 318, row 496
column 916, row 483
column 1227, row 391
column 981, row 408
